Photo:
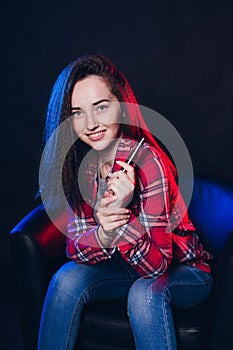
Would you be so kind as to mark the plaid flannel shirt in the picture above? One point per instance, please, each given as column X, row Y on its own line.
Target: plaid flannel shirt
column 159, row 229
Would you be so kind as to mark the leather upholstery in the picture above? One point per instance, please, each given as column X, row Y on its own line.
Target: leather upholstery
column 38, row 249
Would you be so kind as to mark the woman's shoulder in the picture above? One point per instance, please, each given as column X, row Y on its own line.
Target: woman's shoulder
column 150, row 157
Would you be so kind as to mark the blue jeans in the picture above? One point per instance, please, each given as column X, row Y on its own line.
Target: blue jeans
column 149, row 301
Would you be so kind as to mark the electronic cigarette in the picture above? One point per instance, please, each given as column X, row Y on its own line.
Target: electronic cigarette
column 130, row 157
column 133, row 154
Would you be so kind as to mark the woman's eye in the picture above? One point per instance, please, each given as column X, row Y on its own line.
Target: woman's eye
column 78, row 114
column 102, row 108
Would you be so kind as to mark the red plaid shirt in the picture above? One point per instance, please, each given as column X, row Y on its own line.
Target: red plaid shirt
column 159, row 229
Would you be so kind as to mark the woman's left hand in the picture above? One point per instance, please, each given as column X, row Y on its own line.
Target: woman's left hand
column 122, row 184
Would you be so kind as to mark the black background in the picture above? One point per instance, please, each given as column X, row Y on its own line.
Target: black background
column 177, row 56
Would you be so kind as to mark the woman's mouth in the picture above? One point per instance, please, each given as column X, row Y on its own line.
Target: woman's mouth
column 95, row 136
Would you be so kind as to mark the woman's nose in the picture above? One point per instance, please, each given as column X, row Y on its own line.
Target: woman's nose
column 91, row 122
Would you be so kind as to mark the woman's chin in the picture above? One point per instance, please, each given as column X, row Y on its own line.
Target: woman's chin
column 102, row 145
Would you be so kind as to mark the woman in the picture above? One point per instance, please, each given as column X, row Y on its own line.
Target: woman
column 129, row 234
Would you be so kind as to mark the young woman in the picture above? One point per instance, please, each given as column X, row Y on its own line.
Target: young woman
column 129, row 234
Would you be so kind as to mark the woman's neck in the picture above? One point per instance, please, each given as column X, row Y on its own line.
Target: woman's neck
column 105, row 168
column 106, row 158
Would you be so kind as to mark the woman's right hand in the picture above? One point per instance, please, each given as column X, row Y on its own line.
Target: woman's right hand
column 110, row 218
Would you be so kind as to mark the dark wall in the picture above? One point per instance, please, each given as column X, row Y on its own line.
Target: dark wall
column 177, row 56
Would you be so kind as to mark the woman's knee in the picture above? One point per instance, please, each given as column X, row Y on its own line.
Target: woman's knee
column 139, row 295
column 70, row 278
column 148, row 292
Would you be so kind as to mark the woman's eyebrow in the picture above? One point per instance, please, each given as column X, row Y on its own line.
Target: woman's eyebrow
column 76, row 108
column 100, row 101
column 93, row 104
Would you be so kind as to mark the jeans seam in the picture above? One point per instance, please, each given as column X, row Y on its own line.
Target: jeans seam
column 188, row 283
column 168, row 336
column 167, row 290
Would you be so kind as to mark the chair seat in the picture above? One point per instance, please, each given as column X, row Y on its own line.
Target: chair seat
column 105, row 325
column 106, row 320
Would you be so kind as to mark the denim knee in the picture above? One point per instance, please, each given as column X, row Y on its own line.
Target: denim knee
column 70, row 279
column 145, row 291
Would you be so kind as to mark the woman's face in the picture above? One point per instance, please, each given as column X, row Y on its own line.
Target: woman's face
column 96, row 113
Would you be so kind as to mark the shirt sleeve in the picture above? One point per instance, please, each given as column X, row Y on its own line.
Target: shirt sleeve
column 146, row 241
column 82, row 243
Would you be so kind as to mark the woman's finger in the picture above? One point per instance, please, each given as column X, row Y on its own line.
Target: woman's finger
column 108, row 211
column 115, row 225
column 104, row 202
column 127, row 171
column 117, row 217
column 127, row 167
column 117, row 185
column 107, row 194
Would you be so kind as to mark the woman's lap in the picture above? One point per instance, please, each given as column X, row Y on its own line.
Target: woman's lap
column 75, row 285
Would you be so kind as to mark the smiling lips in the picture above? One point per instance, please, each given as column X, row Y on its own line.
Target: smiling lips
column 95, row 136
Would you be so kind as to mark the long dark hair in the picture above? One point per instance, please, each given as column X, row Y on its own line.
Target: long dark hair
column 59, row 109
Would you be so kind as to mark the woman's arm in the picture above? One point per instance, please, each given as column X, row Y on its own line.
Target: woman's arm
column 146, row 241
column 88, row 241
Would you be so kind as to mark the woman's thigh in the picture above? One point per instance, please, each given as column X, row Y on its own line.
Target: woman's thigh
column 71, row 288
column 108, row 279
column 150, row 303
column 188, row 285
column 182, row 285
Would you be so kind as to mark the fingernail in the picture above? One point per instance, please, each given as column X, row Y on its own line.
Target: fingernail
column 107, row 178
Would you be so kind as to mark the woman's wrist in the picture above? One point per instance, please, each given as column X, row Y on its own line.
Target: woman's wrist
column 108, row 233
column 105, row 237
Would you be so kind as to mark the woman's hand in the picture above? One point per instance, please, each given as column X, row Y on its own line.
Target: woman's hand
column 110, row 218
column 122, row 185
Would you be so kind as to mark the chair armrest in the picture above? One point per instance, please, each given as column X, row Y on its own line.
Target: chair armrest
column 38, row 227
column 222, row 300
column 38, row 249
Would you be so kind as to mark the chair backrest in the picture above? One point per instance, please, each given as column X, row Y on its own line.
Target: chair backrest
column 211, row 210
